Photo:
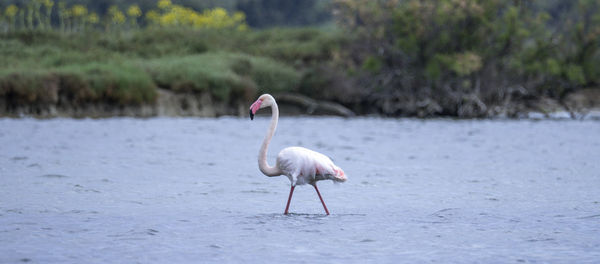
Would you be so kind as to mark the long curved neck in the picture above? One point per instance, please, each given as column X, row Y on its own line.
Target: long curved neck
column 262, row 154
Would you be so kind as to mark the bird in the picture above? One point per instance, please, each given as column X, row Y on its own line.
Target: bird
column 300, row 165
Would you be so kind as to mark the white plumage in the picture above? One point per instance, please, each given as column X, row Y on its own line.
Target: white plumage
column 300, row 165
column 303, row 166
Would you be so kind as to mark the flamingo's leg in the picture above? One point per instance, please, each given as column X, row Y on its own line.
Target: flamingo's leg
column 289, row 200
column 318, row 193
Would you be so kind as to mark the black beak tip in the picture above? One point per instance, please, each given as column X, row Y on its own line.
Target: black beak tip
column 251, row 115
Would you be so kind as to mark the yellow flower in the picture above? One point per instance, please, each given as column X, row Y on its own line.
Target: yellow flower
column 152, row 16
column 134, row 11
column 79, row 10
column 48, row 4
column 218, row 12
column 239, row 17
column 93, row 18
column 168, row 19
column 11, row 11
column 116, row 15
column 176, row 15
column 164, row 4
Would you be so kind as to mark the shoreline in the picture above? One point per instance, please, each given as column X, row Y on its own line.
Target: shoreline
column 580, row 105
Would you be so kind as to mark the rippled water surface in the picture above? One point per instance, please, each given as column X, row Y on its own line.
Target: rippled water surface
column 189, row 190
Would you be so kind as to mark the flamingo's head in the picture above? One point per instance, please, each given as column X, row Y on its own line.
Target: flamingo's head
column 263, row 101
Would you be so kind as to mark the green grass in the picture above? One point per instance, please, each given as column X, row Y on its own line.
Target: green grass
column 223, row 74
column 118, row 84
column 127, row 67
column 293, row 45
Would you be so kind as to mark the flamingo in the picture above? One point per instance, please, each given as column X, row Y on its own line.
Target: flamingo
column 300, row 165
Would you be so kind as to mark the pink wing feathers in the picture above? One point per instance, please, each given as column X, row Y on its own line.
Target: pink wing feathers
column 304, row 166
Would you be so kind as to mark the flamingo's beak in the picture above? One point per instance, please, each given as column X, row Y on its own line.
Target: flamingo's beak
column 254, row 107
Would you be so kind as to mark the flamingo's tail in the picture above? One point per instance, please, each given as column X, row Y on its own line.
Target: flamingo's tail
column 339, row 176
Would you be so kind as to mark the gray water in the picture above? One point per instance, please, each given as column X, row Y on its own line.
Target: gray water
column 188, row 190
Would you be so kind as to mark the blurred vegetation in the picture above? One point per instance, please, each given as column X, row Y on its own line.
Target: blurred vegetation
column 469, row 57
column 269, row 13
column 39, row 14
column 229, row 74
column 260, row 13
column 466, row 58
column 127, row 68
column 66, row 54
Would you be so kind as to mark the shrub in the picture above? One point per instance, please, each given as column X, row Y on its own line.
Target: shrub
column 464, row 55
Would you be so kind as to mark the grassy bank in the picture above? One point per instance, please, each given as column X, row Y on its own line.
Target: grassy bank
column 111, row 70
column 395, row 58
column 127, row 68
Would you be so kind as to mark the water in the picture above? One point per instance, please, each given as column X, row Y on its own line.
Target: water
column 189, row 190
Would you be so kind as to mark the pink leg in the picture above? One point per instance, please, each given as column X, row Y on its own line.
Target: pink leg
column 318, row 193
column 289, row 200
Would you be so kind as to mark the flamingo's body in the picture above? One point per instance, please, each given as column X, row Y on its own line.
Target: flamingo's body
column 300, row 165
column 303, row 166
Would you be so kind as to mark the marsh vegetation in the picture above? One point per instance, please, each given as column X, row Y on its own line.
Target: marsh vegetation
column 394, row 58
